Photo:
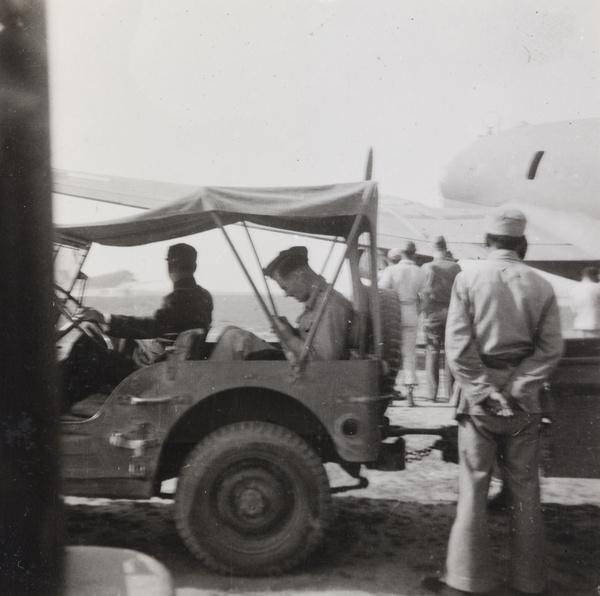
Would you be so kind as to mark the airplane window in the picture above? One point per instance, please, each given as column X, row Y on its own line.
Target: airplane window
column 535, row 162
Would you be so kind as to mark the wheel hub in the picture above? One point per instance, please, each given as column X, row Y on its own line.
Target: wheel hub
column 251, row 503
column 253, row 499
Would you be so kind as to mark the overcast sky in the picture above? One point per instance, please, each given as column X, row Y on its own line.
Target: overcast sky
column 282, row 92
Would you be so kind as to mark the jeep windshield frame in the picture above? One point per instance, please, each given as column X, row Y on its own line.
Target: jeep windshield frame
column 334, row 212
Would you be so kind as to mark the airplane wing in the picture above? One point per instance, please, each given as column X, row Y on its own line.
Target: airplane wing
column 128, row 192
column 463, row 229
column 398, row 220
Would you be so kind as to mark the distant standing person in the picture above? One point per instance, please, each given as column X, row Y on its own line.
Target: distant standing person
column 406, row 279
column 585, row 303
column 503, row 340
column 437, row 289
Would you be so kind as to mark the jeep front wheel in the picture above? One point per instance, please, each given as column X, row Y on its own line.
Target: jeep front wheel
column 252, row 499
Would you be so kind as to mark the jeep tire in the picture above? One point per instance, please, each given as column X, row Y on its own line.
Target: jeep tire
column 391, row 328
column 252, row 499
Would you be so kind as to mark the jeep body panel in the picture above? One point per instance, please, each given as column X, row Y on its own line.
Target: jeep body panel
column 122, row 442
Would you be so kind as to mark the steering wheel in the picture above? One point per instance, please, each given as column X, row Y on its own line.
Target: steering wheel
column 69, row 307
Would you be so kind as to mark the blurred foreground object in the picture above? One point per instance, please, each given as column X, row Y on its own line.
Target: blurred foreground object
column 95, row 570
column 30, row 524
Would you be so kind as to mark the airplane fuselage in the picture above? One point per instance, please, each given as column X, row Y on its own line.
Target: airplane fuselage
column 552, row 165
column 549, row 170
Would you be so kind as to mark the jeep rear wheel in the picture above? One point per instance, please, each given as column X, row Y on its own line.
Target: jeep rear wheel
column 391, row 318
column 252, row 499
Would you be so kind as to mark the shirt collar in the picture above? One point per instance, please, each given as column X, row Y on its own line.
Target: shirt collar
column 185, row 282
column 504, row 254
column 317, row 288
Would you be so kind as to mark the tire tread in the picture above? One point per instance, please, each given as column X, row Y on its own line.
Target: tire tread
column 276, row 435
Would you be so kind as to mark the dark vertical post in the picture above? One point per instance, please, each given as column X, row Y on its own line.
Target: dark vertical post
column 30, row 528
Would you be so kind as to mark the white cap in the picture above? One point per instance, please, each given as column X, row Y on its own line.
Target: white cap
column 506, row 222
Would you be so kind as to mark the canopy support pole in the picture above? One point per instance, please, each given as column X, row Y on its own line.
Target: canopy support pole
column 328, row 256
column 217, row 219
column 309, row 340
column 261, row 269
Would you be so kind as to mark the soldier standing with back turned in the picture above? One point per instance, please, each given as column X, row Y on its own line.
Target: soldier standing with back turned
column 439, row 278
column 503, row 340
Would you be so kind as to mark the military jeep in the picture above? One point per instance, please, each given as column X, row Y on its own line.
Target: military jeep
column 246, row 440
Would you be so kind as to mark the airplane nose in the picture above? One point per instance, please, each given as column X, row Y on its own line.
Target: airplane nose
column 472, row 175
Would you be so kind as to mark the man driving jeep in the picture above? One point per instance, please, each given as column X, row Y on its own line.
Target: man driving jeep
column 189, row 306
column 290, row 269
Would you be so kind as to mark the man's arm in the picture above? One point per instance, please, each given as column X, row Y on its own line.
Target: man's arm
column 176, row 314
column 385, row 281
column 133, row 327
column 529, row 375
column 419, row 294
column 289, row 335
column 331, row 340
column 427, row 287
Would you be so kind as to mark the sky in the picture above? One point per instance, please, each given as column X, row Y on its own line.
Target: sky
column 294, row 92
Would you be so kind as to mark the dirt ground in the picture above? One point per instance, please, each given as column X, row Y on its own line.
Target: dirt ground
column 385, row 540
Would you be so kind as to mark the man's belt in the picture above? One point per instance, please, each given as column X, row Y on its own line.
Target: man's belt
column 502, row 363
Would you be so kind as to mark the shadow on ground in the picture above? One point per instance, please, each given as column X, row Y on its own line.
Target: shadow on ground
column 377, row 546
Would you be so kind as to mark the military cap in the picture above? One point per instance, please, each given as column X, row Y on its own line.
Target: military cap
column 408, row 248
column 296, row 255
column 182, row 254
column 394, row 254
column 506, row 222
column 439, row 243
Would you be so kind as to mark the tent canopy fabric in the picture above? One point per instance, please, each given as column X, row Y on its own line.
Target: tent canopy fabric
column 321, row 210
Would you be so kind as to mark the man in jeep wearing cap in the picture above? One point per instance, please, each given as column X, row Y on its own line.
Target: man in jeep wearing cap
column 188, row 306
column 291, row 271
column 503, row 339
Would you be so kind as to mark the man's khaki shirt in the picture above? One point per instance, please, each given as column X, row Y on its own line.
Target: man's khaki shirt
column 437, row 288
column 503, row 332
column 332, row 337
